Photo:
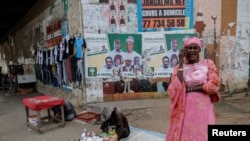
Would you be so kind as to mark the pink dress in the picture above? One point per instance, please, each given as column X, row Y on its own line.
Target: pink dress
column 190, row 113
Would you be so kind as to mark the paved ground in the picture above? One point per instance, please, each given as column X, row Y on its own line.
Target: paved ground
column 150, row 114
column 13, row 126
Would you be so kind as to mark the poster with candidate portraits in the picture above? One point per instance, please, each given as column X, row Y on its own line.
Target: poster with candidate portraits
column 95, row 54
column 155, row 45
column 163, row 51
column 120, row 59
column 174, row 43
column 104, row 49
column 126, row 52
column 107, row 51
column 137, row 41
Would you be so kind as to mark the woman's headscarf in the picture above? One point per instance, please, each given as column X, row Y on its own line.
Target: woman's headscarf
column 192, row 40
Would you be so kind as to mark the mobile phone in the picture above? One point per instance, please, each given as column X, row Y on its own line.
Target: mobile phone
column 185, row 53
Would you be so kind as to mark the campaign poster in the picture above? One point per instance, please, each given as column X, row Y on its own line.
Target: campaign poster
column 155, row 45
column 174, row 44
column 136, row 38
column 95, row 54
column 164, row 15
column 103, row 50
column 125, row 51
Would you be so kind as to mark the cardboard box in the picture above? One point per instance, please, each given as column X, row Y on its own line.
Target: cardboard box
column 33, row 120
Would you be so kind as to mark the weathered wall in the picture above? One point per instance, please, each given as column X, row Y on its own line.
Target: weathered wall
column 30, row 33
column 241, row 49
column 45, row 13
column 232, row 22
column 234, row 44
column 75, row 97
column 75, row 17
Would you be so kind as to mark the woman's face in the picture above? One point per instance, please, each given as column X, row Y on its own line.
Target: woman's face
column 174, row 61
column 193, row 52
column 117, row 62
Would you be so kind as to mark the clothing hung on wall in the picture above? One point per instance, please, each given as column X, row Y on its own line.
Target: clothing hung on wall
column 59, row 65
column 79, row 45
column 71, row 43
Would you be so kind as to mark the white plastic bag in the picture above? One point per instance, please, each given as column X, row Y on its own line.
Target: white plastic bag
column 4, row 68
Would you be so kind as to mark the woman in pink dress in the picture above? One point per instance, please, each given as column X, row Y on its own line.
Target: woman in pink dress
column 193, row 90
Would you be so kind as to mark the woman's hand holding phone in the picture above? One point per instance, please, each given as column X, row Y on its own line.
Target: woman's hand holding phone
column 182, row 55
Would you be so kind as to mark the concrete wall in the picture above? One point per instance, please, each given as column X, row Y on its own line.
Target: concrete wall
column 232, row 53
column 75, row 17
column 26, row 39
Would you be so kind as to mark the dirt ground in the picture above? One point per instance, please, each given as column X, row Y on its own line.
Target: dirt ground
column 230, row 110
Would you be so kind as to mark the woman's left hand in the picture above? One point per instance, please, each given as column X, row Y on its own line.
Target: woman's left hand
column 197, row 88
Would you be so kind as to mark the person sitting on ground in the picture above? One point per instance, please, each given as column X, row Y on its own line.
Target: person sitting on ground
column 69, row 111
column 119, row 120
